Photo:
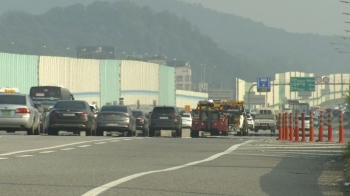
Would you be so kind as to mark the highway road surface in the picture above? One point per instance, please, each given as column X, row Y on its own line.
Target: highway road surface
column 109, row 166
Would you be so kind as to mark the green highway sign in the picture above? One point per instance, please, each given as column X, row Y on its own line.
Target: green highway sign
column 302, row 84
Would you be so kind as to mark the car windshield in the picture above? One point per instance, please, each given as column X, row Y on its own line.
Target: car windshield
column 137, row 113
column 69, row 105
column 114, row 109
column 164, row 110
column 13, row 99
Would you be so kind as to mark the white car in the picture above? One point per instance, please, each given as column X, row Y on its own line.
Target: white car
column 186, row 120
column 250, row 121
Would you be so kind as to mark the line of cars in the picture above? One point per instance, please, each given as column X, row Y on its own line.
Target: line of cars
column 18, row 112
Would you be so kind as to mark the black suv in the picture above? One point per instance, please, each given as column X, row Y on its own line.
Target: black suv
column 165, row 118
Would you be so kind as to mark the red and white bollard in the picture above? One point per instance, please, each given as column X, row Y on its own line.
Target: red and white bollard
column 320, row 128
column 312, row 139
column 330, row 128
column 341, row 127
column 296, row 129
column 286, row 126
column 303, row 139
column 291, row 127
column 280, row 128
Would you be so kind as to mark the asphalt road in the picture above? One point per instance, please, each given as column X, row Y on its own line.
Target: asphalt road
column 73, row 165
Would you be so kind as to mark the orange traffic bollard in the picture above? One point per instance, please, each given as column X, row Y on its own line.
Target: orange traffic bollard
column 280, row 130
column 311, row 127
column 330, row 132
column 286, row 126
column 303, row 139
column 320, row 128
column 341, row 127
column 296, row 127
column 291, row 127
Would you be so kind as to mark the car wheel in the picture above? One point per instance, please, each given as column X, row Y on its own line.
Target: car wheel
column 30, row 131
column 194, row 134
column 99, row 132
column 52, row 131
column 37, row 130
column 214, row 133
column 88, row 132
column 179, row 132
column 130, row 133
column 152, row 132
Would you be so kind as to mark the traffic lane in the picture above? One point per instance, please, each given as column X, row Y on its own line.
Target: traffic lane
column 15, row 143
column 227, row 175
column 234, row 174
column 79, row 170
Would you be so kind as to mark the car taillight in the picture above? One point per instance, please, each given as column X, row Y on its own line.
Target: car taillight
column 22, row 110
column 174, row 115
column 142, row 120
column 83, row 114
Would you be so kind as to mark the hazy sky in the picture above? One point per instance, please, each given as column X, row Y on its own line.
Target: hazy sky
column 305, row 16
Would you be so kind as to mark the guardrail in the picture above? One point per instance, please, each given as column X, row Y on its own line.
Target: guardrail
column 289, row 127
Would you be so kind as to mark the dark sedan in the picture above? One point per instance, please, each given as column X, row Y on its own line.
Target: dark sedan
column 141, row 122
column 116, row 118
column 72, row 116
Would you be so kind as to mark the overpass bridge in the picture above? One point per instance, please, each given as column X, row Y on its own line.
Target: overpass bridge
column 331, row 103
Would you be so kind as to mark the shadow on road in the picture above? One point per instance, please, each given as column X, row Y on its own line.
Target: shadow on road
column 294, row 176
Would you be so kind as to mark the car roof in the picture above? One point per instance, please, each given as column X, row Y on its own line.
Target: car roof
column 124, row 106
column 7, row 94
column 71, row 101
column 164, row 106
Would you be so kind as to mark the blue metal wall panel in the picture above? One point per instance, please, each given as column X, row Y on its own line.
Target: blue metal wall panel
column 19, row 71
column 167, row 89
column 109, row 81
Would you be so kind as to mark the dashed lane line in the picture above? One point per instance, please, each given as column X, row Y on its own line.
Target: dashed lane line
column 84, row 146
column 115, row 141
column 3, row 158
column 101, row 143
column 54, row 147
column 68, row 149
column 21, row 156
column 46, row 152
column 105, row 187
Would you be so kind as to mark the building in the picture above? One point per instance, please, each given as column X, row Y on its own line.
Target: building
column 221, row 94
column 183, row 78
column 183, row 74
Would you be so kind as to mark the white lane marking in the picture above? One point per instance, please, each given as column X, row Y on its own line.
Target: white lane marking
column 126, row 139
column 53, row 147
column 84, row 146
column 101, row 143
column 107, row 186
column 68, row 149
column 3, row 158
column 24, row 156
column 46, row 152
column 115, row 141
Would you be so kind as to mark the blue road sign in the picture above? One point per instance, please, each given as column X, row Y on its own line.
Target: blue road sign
column 264, row 85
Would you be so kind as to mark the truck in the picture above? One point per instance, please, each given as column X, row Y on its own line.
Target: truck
column 237, row 116
column 209, row 117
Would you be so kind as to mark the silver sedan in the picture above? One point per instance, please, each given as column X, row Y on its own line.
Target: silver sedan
column 18, row 113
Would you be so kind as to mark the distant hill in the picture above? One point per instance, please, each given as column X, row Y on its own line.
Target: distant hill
column 268, row 50
column 273, row 50
column 128, row 27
